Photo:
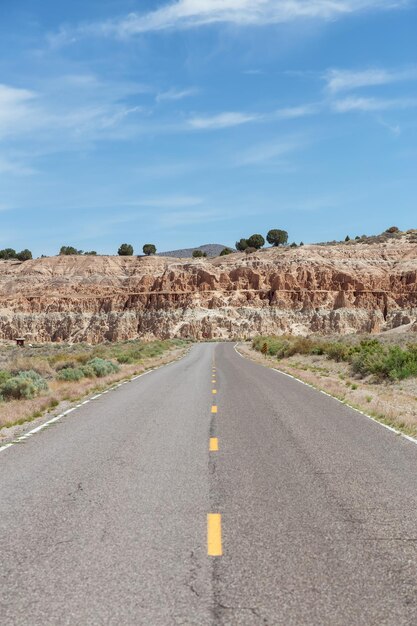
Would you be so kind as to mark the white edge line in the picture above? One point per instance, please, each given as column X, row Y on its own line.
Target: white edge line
column 391, row 428
column 68, row 411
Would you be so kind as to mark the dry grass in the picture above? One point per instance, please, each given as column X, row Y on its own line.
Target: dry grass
column 17, row 412
column 393, row 403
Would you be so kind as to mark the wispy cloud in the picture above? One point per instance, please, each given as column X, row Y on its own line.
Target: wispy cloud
column 222, row 120
column 169, row 202
column 81, row 109
column 394, row 129
column 15, row 108
column 372, row 104
column 184, row 218
column 346, row 80
column 15, row 168
column 176, row 94
column 195, row 13
column 269, row 152
column 302, row 110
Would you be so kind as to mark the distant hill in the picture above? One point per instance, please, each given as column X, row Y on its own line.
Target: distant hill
column 211, row 249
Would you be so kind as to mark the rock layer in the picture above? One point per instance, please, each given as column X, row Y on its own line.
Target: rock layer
column 312, row 289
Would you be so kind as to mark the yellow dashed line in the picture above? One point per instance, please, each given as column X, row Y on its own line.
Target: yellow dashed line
column 214, row 391
column 214, row 409
column 214, row 444
column 214, row 534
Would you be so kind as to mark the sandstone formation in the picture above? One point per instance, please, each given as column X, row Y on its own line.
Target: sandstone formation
column 313, row 289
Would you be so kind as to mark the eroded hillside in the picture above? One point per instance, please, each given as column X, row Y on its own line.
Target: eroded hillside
column 324, row 289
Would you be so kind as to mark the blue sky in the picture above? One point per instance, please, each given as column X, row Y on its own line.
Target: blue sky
column 197, row 121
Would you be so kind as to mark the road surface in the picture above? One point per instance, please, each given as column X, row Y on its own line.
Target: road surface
column 164, row 503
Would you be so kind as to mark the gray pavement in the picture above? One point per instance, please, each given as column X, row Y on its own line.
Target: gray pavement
column 103, row 515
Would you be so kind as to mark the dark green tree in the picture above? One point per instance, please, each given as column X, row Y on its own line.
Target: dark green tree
column 301, row 243
column 226, row 251
column 293, row 245
column 199, row 254
column 149, row 249
column 347, row 238
column 250, row 250
column 91, row 253
column 125, row 250
column 241, row 245
column 277, row 237
column 24, row 255
column 8, row 253
column 256, row 241
column 68, row 250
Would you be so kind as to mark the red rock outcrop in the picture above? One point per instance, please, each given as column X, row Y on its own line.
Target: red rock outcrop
column 320, row 289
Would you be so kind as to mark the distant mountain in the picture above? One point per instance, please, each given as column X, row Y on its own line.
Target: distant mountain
column 211, row 249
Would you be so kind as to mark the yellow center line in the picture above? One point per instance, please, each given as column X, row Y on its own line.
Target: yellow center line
column 214, row 534
column 214, row 444
column 214, row 409
column 214, row 391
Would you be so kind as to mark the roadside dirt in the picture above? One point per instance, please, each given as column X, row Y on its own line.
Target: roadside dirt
column 78, row 391
column 394, row 404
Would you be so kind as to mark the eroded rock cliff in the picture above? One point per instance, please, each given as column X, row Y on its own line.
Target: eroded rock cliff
column 321, row 289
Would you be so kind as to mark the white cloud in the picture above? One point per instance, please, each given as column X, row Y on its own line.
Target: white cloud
column 182, row 218
column 222, row 120
column 194, row 13
column 176, row 94
column 170, row 202
column 372, row 104
column 268, row 152
column 394, row 129
column 15, row 168
column 298, row 111
column 347, row 80
column 15, row 108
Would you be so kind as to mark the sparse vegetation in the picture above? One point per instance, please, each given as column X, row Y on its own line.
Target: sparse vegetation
column 370, row 357
column 10, row 253
column 226, row 251
column 199, row 254
column 36, row 379
column 69, row 250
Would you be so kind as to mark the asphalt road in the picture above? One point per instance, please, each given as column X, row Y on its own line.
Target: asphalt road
column 312, row 507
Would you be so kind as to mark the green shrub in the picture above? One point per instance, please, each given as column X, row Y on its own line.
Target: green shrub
column 25, row 385
column 88, row 371
column 4, row 375
column 125, row 358
column 337, row 351
column 71, row 374
column 103, row 367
